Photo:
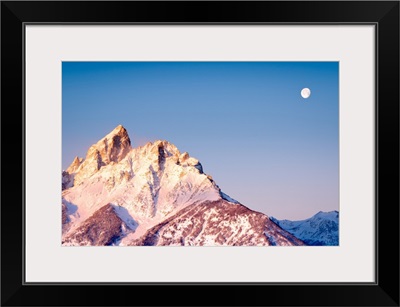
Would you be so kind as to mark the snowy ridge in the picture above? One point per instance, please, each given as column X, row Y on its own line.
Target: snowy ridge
column 228, row 198
column 217, row 223
column 320, row 229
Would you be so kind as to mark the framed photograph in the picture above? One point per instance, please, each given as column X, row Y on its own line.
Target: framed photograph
column 235, row 152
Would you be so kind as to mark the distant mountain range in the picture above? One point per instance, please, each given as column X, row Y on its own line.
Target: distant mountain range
column 320, row 229
column 156, row 195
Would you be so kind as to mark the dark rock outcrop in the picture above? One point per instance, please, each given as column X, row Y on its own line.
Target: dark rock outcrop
column 104, row 227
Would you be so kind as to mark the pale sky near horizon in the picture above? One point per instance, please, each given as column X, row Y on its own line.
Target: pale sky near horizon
column 246, row 122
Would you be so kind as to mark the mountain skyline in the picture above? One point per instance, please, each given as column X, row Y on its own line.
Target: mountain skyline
column 143, row 185
column 244, row 119
column 319, row 230
column 157, row 195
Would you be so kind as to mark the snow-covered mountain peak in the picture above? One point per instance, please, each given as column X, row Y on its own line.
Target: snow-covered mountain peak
column 320, row 229
column 114, row 146
column 331, row 215
column 150, row 182
column 74, row 165
column 160, row 148
column 117, row 130
column 156, row 195
column 110, row 149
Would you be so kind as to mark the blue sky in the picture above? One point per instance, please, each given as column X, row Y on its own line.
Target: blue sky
column 246, row 122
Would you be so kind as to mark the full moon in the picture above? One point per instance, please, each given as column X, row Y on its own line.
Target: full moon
column 305, row 93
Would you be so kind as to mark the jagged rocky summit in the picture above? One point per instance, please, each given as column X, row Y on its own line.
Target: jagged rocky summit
column 154, row 195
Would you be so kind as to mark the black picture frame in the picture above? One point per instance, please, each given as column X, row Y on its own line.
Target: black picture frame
column 383, row 14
